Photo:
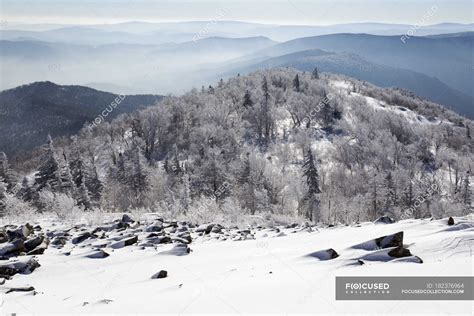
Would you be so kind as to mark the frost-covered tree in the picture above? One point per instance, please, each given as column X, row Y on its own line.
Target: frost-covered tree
column 296, row 83
column 311, row 198
column 467, row 194
column 6, row 172
column 48, row 171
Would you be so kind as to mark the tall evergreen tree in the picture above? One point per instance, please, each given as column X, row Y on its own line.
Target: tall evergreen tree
column 3, row 197
column 138, row 178
column 296, row 83
column 48, row 171
column 390, row 193
column 315, row 74
column 83, row 196
column 312, row 198
column 6, row 172
column 467, row 194
column 26, row 192
column 247, row 103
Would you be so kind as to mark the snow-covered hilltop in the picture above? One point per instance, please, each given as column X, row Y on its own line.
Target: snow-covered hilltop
column 278, row 144
column 153, row 265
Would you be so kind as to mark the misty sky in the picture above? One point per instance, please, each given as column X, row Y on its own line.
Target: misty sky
column 311, row 12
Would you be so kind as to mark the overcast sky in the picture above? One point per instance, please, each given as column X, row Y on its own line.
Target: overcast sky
column 311, row 12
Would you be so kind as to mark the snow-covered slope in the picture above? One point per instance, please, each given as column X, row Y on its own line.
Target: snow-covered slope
column 270, row 270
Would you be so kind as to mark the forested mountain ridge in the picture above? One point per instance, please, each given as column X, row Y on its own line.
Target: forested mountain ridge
column 30, row 112
column 276, row 143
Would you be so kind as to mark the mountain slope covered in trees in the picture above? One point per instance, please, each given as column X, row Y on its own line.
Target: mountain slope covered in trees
column 277, row 143
column 30, row 112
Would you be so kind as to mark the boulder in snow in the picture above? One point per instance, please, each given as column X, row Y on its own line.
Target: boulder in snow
column 81, row 237
column 160, row 275
column 127, row 219
column 450, row 221
column 97, row 254
column 394, row 240
column 384, row 220
column 327, row 254
column 12, row 248
column 399, row 252
column 124, row 242
column 22, row 232
column 177, row 250
column 204, row 228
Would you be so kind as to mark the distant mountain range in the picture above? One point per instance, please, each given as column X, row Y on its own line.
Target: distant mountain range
column 30, row 112
column 354, row 66
column 158, row 33
column 179, row 56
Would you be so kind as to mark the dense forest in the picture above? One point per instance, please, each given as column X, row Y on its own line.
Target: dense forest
column 277, row 144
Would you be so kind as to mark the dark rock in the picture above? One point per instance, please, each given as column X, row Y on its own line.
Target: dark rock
column 3, row 237
column 34, row 242
column 59, row 241
column 37, row 228
column 389, row 241
column 98, row 254
column 20, row 289
column 327, row 254
column 155, row 227
column 204, row 228
column 130, row 241
column 19, row 266
column 12, row 248
column 450, row 221
column 7, row 271
column 172, row 224
column 80, row 238
column 217, row 229
column 160, row 275
column 186, row 236
column 40, row 249
column 359, row 261
column 399, row 252
column 127, row 219
column 178, row 250
column 22, row 232
column 384, row 220
column 124, row 242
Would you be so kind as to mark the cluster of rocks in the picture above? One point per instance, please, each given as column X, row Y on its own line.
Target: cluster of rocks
column 19, row 246
column 384, row 248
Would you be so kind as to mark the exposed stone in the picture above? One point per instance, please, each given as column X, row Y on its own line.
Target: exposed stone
column 12, row 248
column 3, row 237
column 395, row 240
column 327, row 254
column 399, row 252
column 34, row 242
column 155, row 227
column 20, row 289
column 127, row 219
column 124, row 242
column 81, row 237
column 160, row 275
column 22, row 232
column 98, row 254
column 450, row 221
column 59, row 241
column 204, row 228
column 384, row 220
